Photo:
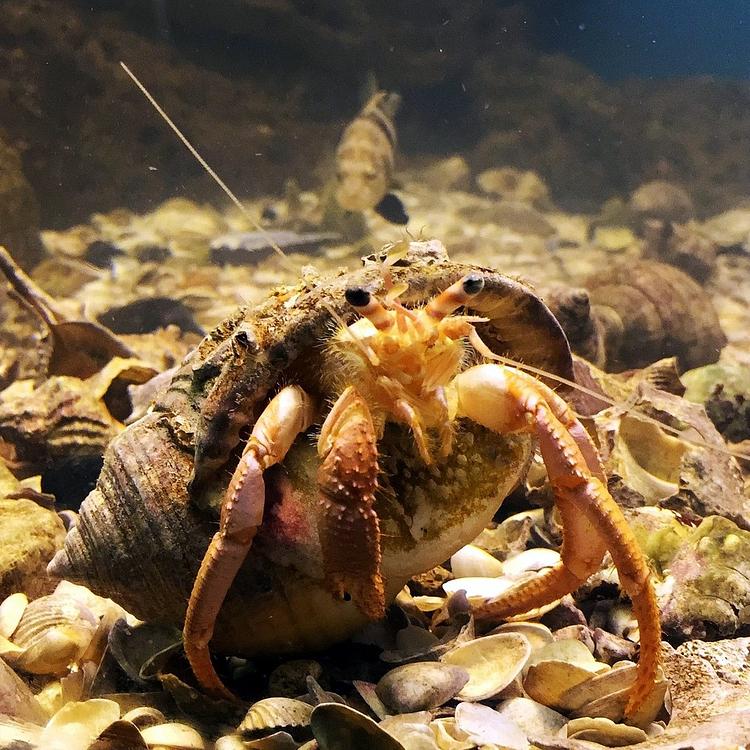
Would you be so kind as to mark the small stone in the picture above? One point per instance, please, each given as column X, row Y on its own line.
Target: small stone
column 420, row 687
column 290, row 678
column 611, row 648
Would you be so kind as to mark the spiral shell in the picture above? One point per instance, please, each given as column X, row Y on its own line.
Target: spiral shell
column 650, row 311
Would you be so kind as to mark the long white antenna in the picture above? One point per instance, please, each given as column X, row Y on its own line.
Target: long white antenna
column 207, row 167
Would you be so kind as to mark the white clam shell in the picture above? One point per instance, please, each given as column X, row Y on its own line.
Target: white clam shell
column 536, row 634
column 530, row 560
column 479, row 587
column 472, row 561
column 493, row 662
column 532, row 717
column 486, row 726
column 11, row 611
column 172, row 736
column 570, row 650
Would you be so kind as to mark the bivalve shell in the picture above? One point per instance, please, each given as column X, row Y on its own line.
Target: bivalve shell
column 536, row 634
column 605, row 732
column 486, row 726
column 275, row 713
column 421, row 686
column 532, row 717
column 172, row 736
column 11, row 611
column 76, row 725
column 338, row 727
column 472, row 561
column 493, row 662
column 530, row 560
column 548, row 681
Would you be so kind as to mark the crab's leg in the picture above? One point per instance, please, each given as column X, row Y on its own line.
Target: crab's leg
column 506, row 400
column 290, row 412
column 347, row 478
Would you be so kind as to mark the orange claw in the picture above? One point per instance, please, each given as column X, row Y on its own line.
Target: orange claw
column 507, row 400
column 287, row 414
column 349, row 529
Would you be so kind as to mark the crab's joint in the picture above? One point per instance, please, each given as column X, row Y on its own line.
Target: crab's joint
column 349, row 529
column 455, row 296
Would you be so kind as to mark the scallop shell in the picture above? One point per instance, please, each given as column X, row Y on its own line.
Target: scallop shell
column 493, row 662
column 53, row 633
column 274, row 713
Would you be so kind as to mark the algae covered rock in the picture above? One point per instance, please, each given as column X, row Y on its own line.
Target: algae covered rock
column 29, row 537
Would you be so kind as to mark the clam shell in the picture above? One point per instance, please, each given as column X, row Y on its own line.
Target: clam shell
column 530, row 560
column 493, row 662
column 421, row 686
column 536, row 634
column 274, row 713
column 338, row 727
column 11, row 611
column 479, row 587
column 472, row 561
column 605, row 732
column 548, row 681
column 172, row 736
column 76, row 725
column 16, row 699
column 275, row 741
column 144, row 716
column 486, row 726
column 532, row 717
column 570, row 650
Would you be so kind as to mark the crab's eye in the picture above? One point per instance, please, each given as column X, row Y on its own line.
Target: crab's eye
column 357, row 296
column 473, row 284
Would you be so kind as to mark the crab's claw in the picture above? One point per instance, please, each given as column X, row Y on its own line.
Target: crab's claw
column 506, row 400
column 348, row 527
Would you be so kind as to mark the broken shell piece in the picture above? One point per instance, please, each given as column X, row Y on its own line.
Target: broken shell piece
column 605, row 732
column 530, row 560
column 471, row 561
column 486, row 726
column 618, row 678
column 275, row 713
column 172, row 736
column 11, row 611
column 338, row 727
column 421, row 686
column 411, row 730
column 76, row 725
column 493, row 662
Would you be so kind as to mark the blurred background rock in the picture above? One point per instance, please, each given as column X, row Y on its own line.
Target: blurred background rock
column 264, row 87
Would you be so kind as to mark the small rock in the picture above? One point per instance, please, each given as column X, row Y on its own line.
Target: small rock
column 660, row 199
column 29, row 537
column 290, row 678
column 611, row 648
column 451, row 173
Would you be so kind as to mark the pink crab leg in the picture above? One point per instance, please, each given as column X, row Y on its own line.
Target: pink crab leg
column 349, row 528
column 506, row 400
column 290, row 412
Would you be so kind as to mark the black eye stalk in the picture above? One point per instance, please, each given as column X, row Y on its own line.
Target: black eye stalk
column 357, row 296
column 473, row 284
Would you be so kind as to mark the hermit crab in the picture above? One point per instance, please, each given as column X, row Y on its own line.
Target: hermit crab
column 346, row 434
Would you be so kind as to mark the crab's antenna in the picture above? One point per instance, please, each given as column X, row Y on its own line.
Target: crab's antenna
column 483, row 349
column 208, row 167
